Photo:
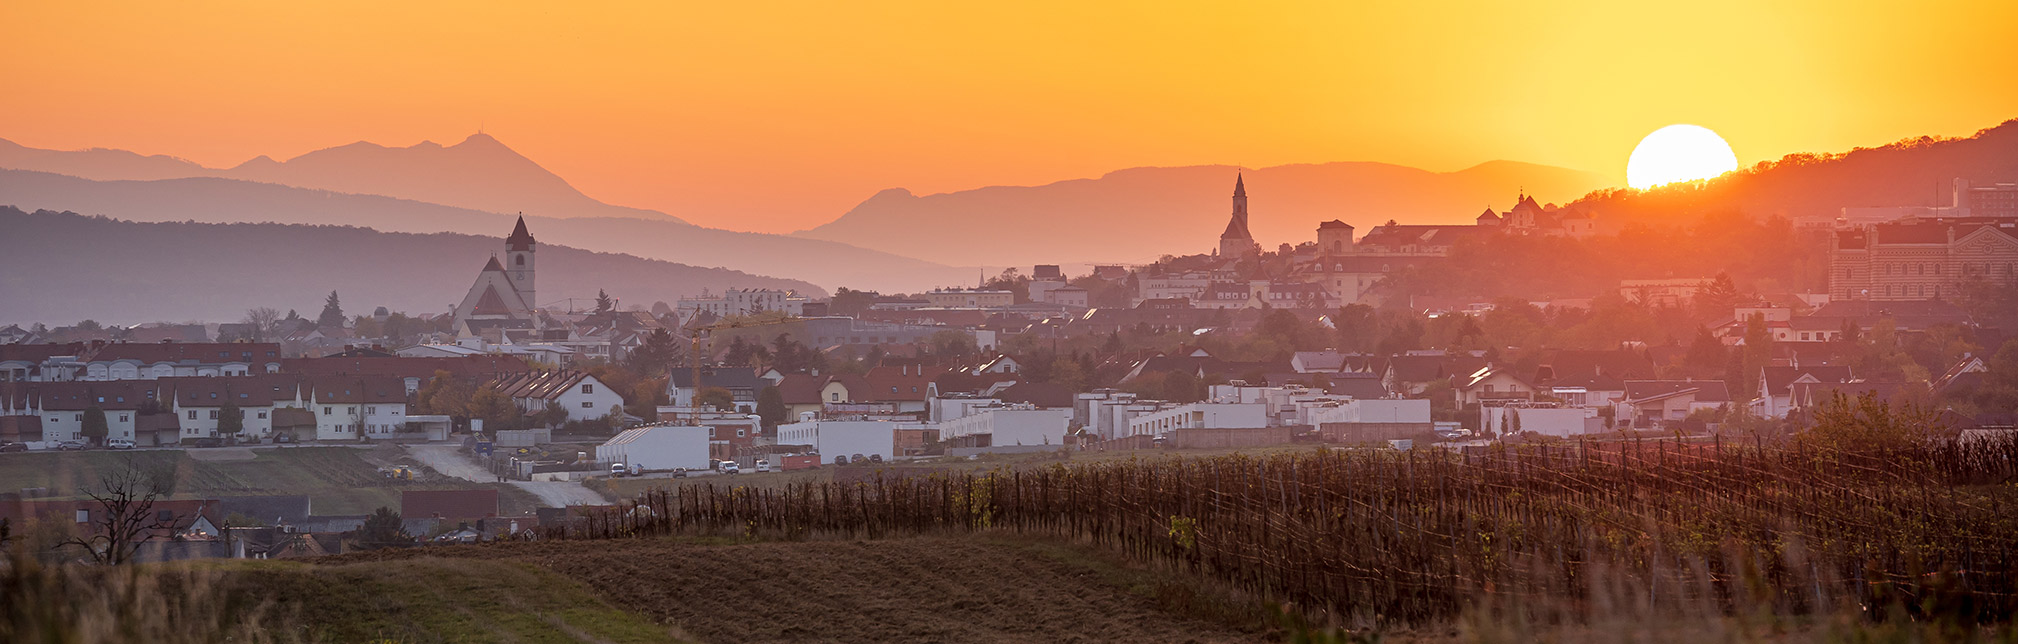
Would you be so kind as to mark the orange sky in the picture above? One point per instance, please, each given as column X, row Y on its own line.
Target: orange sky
column 779, row 116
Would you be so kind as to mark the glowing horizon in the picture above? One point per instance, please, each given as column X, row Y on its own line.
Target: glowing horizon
column 781, row 117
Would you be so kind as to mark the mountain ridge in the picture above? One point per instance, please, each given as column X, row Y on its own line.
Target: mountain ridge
column 480, row 173
column 169, row 271
column 212, row 199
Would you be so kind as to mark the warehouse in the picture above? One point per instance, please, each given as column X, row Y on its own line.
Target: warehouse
column 660, row 447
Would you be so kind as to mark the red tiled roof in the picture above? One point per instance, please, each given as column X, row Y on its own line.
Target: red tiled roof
column 37, row 353
column 897, row 383
column 76, row 396
column 196, row 352
column 399, row 367
column 357, row 389
column 243, row 391
column 802, row 389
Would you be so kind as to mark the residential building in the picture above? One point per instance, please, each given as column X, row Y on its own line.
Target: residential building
column 347, row 407
column 1662, row 292
column 969, row 298
column 741, row 301
column 1656, row 403
column 1994, row 200
column 582, row 395
column 1776, row 386
column 742, row 383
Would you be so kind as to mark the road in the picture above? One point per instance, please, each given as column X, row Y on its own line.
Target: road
column 450, row 461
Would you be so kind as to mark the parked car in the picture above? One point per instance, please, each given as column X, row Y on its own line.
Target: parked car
column 875, row 458
column 210, row 441
column 617, row 470
column 858, row 459
column 283, row 438
column 71, row 446
column 119, row 443
column 730, row 467
column 679, row 472
column 763, row 466
column 840, row 459
column 13, row 447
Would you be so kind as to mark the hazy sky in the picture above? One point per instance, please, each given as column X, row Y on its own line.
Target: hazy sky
column 779, row 116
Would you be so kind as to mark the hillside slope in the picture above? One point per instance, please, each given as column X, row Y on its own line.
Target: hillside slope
column 1141, row 213
column 62, row 267
column 826, row 264
column 1913, row 172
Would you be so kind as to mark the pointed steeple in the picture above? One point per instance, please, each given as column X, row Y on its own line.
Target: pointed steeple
column 520, row 239
column 1239, row 185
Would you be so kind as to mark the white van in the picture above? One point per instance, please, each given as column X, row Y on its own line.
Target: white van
column 763, row 466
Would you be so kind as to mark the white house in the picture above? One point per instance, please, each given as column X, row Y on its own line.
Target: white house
column 585, row 397
column 346, row 407
column 200, row 404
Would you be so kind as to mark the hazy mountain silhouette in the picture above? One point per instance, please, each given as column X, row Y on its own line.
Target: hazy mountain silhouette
column 479, row 173
column 97, row 163
column 827, row 264
column 63, row 267
column 1912, row 172
column 1138, row 214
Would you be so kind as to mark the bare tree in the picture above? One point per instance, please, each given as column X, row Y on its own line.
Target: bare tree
column 263, row 320
column 125, row 516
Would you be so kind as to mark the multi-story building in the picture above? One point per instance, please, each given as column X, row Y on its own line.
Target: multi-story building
column 742, row 301
column 1921, row 260
column 1994, row 200
column 97, row 361
column 970, row 298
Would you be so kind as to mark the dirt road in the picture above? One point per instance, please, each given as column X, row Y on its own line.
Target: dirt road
column 450, row 461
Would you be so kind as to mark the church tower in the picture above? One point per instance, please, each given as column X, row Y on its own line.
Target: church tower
column 1236, row 243
column 519, row 263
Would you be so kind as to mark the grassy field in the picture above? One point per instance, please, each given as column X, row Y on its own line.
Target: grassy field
column 338, row 480
column 920, row 589
column 433, row 600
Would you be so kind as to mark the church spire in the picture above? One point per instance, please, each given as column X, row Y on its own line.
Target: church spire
column 1239, row 185
column 520, row 239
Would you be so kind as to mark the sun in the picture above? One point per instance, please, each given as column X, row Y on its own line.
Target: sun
column 1679, row 153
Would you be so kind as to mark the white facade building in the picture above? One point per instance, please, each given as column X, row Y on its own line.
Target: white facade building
column 742, row 301
column 1200, row 415
column 832, row 438
column 661, row 447
column 1008, row 426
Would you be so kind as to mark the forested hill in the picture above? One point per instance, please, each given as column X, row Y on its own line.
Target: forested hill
column 1912, row 172
column 63, row 267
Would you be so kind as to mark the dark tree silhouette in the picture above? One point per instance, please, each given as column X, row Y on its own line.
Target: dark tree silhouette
column 124, row 518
